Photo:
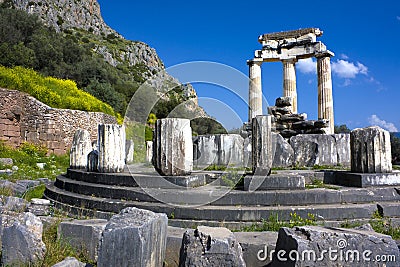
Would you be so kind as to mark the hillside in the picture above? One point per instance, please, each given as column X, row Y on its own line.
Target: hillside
column 75, row 43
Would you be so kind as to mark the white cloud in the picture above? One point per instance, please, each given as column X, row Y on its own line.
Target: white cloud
column 307, row 65
column 344, row 56
column 376, row 121
column 346, row 69
column 398, row 18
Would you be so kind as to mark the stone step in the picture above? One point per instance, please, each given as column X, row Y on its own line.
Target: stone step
column 229, row 213
column 199, row 196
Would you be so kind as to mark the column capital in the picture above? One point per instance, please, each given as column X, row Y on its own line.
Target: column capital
column 326, row 53
column 257, row 61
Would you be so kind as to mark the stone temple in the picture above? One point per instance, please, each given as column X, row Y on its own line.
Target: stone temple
column 342, row 176
column 288, row 47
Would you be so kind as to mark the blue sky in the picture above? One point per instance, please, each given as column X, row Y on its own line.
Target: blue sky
column 364, row 35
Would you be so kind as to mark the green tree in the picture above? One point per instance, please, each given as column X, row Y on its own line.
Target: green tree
column 395, row 146
column 342, row 129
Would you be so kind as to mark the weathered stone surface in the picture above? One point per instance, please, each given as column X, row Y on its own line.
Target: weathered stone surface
column 22, row 242
column 83, row 235
column 93, row 161
column 256, row 247
column 14, row 204
column 284, row 153
column 174, row 242
column 247, row 154
column 149, row 151
column 343, row 148
column 80, row 149
column 6, row 161
column 284, row 101
column 366, row 179
column 130, row 148
column 134, row 237
column 320, row 149
column 255, row 89
column 39, row 207
column 262, row 146
column 318, row 246
column 220, row 149
column 40, row 124
column 70, row 262
column 370, row 150
column 111, row 148
column 173, row 147
column 274, row 182
column 210, row 246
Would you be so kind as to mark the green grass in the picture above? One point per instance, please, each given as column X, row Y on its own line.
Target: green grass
column 57, row 249
column 34, row 192
column 27, row 156
column 274, row 224
column 316, row 183
column 384, row 225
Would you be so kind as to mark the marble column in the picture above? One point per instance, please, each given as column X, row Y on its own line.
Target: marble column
column 112, row 143
column 289, row 82
column 325, row 98
column 255, row 89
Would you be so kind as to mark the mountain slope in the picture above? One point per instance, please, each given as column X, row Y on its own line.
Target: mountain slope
column 81, row 22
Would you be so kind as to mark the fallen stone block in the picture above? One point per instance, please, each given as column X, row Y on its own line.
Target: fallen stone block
column 319, row 246
column 210, row 246
column 83, row 235
column 134, row 237
column 40, row 207
column 22, row 242
column 15, row 204
column 255, row 246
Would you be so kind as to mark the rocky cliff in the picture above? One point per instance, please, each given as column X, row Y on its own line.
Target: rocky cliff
column 65, row 14
column 83, row 18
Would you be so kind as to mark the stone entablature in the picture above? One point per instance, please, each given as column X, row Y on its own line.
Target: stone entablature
column 25, row 119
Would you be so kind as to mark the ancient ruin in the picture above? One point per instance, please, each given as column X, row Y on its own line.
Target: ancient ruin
column 229, row 180
column 288, row 47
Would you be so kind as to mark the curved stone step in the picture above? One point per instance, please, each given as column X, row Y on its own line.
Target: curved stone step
column 227, row 213
column 199, row 196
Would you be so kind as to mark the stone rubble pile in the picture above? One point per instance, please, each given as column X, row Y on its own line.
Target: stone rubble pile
column 288, row 124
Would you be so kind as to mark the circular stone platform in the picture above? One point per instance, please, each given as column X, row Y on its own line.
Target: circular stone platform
column 101, row 195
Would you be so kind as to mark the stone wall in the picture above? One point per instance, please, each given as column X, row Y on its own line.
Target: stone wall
column 25, row 119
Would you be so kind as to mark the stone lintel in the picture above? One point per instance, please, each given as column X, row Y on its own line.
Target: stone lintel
column 298, row 52
column 289, row 34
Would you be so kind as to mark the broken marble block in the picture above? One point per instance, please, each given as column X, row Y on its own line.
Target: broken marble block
column 210, row 246
column 22, row 242
column 134, row 237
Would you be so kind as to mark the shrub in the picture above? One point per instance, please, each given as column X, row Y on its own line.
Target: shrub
column 57, row 93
